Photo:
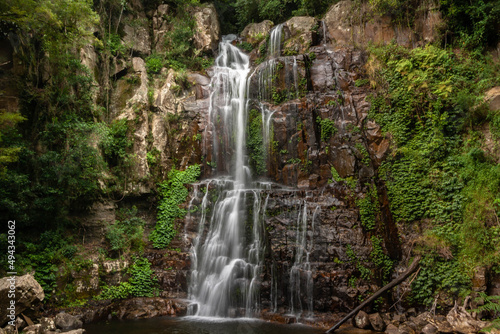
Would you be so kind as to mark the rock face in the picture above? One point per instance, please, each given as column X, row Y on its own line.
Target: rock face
column 302, row 34
column 357, row 26
column 207, row 35
column 256, row 31
column 26, row 290
column 492, row 98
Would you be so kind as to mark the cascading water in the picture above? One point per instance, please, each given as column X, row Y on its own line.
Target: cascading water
column 228, row 250
column 226, row 264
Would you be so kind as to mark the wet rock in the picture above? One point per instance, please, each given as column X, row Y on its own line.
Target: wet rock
column 361, row 320
column 144, row 308
column 27, row 293
column 66, row 321
column 76, row 331
column 429, row 329
column 377, row 322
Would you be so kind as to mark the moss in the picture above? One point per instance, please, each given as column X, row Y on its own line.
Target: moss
column 255, row 143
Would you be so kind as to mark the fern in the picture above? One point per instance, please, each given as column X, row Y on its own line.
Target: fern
column 491, row 305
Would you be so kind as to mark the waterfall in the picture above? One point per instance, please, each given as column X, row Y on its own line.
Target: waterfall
column 226, row 254
column 275, row 41
column 301, row 280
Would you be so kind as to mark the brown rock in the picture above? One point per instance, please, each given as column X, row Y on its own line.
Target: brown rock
column 391, row 329
column 429, row 329
column 66, row 321
column 33, row 329
column 207, row 33
column 48, row 324
column 492, row 98
column 361, row 320
column 302, row 35
column 27, row 292
column 137, row 37
column 160, row 27
column 377, row 322
column 405, row 329
column 256, row 31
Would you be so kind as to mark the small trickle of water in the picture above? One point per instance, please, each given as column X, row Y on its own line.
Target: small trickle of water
column 275, row 41
column 301, row 280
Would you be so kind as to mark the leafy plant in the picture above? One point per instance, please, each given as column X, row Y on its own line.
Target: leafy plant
column 255, row 143
column 142, row 283
column 172, row 193
column 327, row 127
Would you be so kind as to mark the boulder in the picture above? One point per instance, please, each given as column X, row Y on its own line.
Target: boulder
column 48, row 324
column 405, row 329
column 391, row 329
column 361, row 320
column 66, row 321
column 429, row 329
column 302, row 34
column 492, row 98
column 255, row 32
column 377, row 322
column 207, row 34
column 462, row 321
column 27, row 293
column 33, row 329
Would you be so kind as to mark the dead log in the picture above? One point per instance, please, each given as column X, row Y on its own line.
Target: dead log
column 389, row 286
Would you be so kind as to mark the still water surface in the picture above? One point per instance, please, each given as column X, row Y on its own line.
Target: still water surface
column 193, row 325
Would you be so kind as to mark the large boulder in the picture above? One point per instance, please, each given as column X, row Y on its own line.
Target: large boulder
column 22, row 292
column 207, row 34
column 492, row 98
column 66, row 321
column 361, row 320
column 302, row 34
column 255, row 32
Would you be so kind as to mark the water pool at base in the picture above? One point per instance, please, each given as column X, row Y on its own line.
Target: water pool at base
column 193, row 325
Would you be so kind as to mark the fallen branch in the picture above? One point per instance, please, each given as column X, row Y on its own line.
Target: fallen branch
column 389, row 286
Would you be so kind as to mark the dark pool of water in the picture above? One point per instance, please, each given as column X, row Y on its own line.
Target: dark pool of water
column 190, row 325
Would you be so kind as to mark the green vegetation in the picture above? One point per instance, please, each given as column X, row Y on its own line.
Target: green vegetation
column 382, row 261
column 242, row 12
column 255, row 143
column 142, row 283
column 369, row 208
column 327, row 127
column 364, row 272
column 172, row 193
column 431, row 104
column 126, row 234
